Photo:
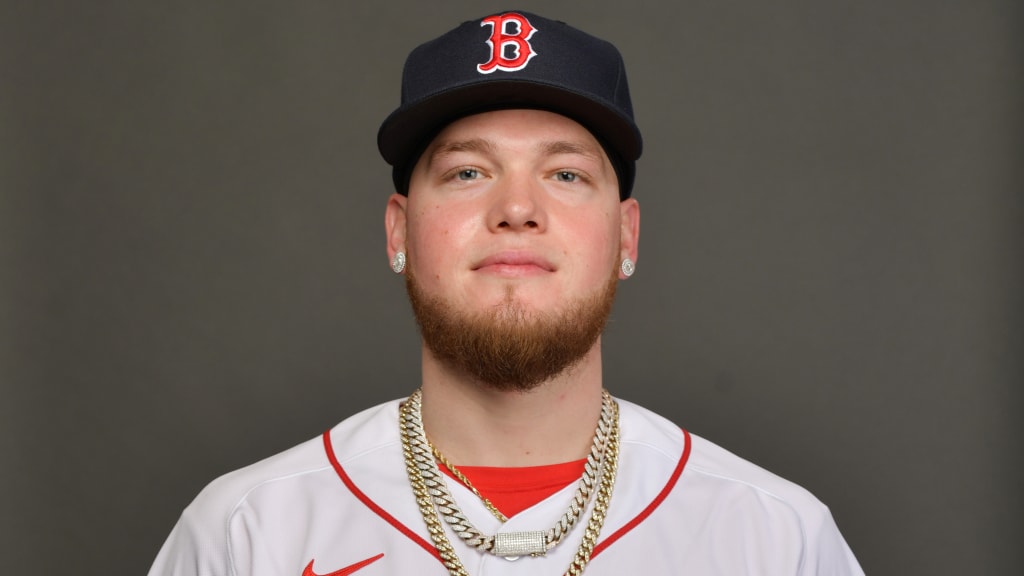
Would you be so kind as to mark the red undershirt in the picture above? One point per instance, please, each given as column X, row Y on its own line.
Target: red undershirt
column 513, row 490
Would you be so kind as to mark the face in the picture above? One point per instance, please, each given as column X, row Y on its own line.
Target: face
column 513, row 220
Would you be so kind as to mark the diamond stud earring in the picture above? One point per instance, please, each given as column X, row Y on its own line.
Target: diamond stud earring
column 627, row 267
column 398, row 262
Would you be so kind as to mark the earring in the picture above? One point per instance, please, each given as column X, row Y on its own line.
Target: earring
column 398, row 262
column 627, row 267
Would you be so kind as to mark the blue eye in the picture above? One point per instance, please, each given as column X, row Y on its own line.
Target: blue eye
column 566, row 176
column 468, row 174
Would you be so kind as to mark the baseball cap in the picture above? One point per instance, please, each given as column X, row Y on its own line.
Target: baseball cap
column 512, row 60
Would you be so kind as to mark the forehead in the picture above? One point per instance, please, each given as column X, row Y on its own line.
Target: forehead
column 518, row 128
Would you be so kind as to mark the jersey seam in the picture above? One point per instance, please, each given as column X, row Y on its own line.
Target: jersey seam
column 672, row 458
column 784, row 501
column 245, row 496
column 351, row 457
column 706, row 472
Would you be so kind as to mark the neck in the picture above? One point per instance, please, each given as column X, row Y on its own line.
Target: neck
column 475, row 425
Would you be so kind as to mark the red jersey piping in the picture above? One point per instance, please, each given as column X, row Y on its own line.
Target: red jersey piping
column 329, row 448
column 601, row 546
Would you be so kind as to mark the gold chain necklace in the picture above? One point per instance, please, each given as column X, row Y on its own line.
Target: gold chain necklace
column 433, row 497
column 516, row 544
column 465, row 481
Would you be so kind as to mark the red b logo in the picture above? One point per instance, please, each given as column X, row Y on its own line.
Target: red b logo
column 509, row 32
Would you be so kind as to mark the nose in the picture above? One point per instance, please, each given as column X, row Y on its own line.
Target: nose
column 517, row 206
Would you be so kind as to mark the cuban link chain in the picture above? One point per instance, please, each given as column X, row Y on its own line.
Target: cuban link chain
column 520, row 543
column 435, row 501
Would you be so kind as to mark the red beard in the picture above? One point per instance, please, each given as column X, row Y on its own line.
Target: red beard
column 506, row 347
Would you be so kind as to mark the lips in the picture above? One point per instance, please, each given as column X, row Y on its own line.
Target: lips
column 514, row 263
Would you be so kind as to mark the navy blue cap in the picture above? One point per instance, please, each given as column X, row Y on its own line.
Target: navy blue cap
column 512, row 60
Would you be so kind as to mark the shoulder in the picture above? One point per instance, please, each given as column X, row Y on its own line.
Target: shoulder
column 733, row 502
column 269, row 490
column 225, row 494
column 719, row 466
column 706, row 462
column 301, row 464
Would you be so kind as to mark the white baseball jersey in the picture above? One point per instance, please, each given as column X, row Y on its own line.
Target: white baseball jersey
column 342, row 505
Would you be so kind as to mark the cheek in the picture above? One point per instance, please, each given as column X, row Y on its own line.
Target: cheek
column 436, row 238
column 595, row 241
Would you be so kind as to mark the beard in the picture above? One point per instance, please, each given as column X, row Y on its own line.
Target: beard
column 507, row 347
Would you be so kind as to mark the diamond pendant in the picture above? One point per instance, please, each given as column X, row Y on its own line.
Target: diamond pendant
column 509, row 544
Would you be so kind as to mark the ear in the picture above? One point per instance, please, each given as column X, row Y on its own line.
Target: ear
column 394, row 225
column 629, row 243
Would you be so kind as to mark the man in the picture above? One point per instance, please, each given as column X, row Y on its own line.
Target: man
column 513, row 155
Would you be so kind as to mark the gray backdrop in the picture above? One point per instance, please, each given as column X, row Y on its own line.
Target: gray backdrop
column 194, row 275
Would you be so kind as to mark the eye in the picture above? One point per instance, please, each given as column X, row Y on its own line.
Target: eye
column 566, row 176
column 468, row 174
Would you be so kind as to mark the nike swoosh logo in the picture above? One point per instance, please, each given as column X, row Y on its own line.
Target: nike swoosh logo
column 344, row 571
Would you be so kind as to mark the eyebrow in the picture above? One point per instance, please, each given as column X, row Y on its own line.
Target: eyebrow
column 564, row 147
column 484, row 146
column 472, row 145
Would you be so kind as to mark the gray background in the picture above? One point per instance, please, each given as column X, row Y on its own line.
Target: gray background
column 194, row 276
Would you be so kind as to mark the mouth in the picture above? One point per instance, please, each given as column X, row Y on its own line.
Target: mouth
column 514, row 264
